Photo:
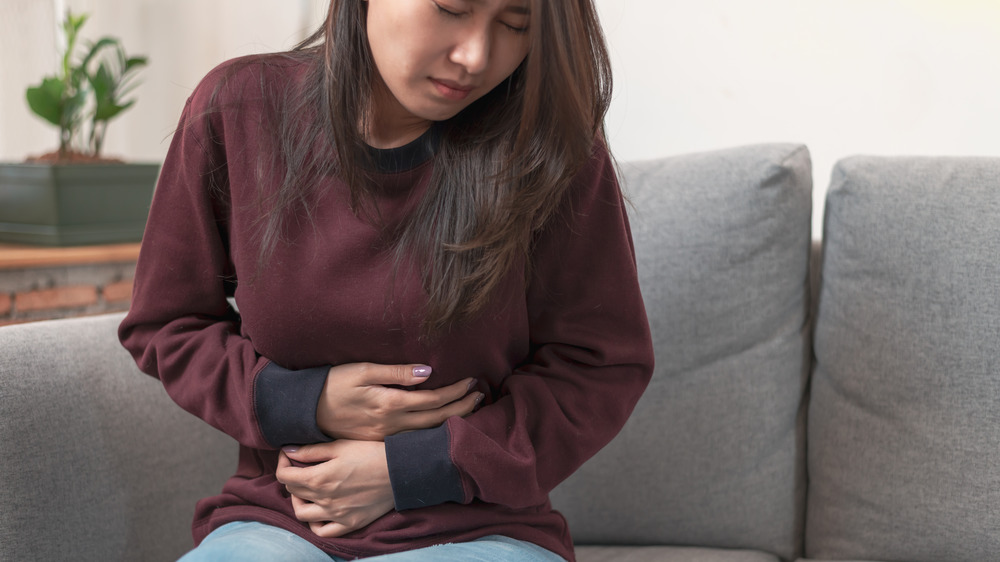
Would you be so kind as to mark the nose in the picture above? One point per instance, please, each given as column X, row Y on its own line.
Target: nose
column 472, row 51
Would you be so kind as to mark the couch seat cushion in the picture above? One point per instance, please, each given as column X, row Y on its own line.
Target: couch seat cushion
column 814, row 560
column 99, row 464
column 667, row 554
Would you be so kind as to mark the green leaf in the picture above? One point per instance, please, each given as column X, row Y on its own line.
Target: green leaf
column 76, row 22
column 134, row 63
column 96, row 48
column 104, row 84
column 111, row 111
column 46, row 100
column 102, row 81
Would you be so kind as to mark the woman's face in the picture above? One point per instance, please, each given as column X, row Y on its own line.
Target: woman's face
column 436, row 57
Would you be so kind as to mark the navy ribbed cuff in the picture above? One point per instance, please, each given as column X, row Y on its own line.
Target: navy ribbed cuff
column 421, row 470
column 285, row 402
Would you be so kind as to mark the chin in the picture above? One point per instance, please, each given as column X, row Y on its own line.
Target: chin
column 439, row 112
column 440, row 115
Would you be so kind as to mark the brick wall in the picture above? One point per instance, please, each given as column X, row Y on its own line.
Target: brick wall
column 45, row 293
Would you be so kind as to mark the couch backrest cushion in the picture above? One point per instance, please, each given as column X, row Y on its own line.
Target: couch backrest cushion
column 713, row 455
column 904, row 420
column 98, row 463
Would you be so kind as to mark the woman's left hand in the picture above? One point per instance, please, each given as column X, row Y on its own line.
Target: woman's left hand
column 348, row 488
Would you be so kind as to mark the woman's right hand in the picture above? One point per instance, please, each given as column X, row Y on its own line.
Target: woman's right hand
column 357, row 403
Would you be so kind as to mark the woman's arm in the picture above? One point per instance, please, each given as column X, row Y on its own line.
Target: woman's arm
column 591, row 359
column 181, row 329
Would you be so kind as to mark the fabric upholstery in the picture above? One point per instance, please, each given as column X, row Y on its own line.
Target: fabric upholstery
column 98, row 463
column 904, row 447
column 713, row 455
column 667, row 554
column 813, row 560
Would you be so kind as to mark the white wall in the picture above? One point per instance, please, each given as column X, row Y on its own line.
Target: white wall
column 842, row 76
column 27, row 43
column 183, row 39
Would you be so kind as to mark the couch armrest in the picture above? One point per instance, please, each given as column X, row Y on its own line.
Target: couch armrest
column 97, row 462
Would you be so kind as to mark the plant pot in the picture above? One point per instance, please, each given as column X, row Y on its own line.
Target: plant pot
column 74, row 204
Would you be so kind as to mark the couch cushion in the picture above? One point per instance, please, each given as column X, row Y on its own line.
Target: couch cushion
column 98, row 463
column 812, row 560
column 904, row 421
column 713, row 455
column 667, row 554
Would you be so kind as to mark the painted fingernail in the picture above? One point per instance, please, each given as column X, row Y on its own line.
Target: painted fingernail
column 422, row 371
column 290, row 448
column 480, row 398
column 472, row 384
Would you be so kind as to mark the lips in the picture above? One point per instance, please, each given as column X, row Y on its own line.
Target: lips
column 452, row 90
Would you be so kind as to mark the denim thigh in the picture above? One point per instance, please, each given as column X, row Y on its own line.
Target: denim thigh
column 494, row 548
column 250, row 541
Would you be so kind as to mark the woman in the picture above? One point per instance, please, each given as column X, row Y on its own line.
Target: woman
column 439, row 318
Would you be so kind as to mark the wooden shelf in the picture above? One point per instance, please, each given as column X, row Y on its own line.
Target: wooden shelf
column 16, row 256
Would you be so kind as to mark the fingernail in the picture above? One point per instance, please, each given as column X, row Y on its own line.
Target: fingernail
column 480, row 398
column 290, row 448
column 472, row 384
column 422, row 371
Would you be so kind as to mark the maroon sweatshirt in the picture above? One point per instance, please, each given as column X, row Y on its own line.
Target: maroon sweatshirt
column 562, row 355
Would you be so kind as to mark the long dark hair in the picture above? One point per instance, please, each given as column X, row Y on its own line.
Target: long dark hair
column 510, row 154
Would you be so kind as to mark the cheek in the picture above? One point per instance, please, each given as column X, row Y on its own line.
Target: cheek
column 508, row 59
column 399, row 47
column 513, row 49
column 387, row 30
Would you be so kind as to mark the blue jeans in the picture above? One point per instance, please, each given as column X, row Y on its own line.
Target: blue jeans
column 248, row 541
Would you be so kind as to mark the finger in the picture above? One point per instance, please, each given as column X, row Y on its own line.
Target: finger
column 308, row 512
column 419, row 400
column 285, row 469
column 404, row 375
column 434, row 418
column 330, row 529
column 291, row 472
column 303, row 492
column 310, row 454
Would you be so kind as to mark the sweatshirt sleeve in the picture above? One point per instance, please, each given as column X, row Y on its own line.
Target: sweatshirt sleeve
column 591, row 360
column 180, row 327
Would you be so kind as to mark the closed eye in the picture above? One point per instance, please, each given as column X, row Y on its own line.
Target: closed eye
column 451, row 12
column 515, row 29
column 447, row 11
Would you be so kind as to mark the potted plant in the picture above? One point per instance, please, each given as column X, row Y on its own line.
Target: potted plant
column 74, row 195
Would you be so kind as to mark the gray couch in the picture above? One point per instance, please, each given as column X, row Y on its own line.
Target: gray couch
column 856, row 417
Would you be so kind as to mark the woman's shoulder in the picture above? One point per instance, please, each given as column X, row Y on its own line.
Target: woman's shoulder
column 249, row 78
column 599, row 171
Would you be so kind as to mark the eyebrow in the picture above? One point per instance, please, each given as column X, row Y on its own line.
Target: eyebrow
column 519, row 9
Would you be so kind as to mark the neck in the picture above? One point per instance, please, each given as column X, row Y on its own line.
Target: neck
column 389, row 125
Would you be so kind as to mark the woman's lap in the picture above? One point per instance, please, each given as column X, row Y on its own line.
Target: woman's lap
column 247, row 541
column 487, row 549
